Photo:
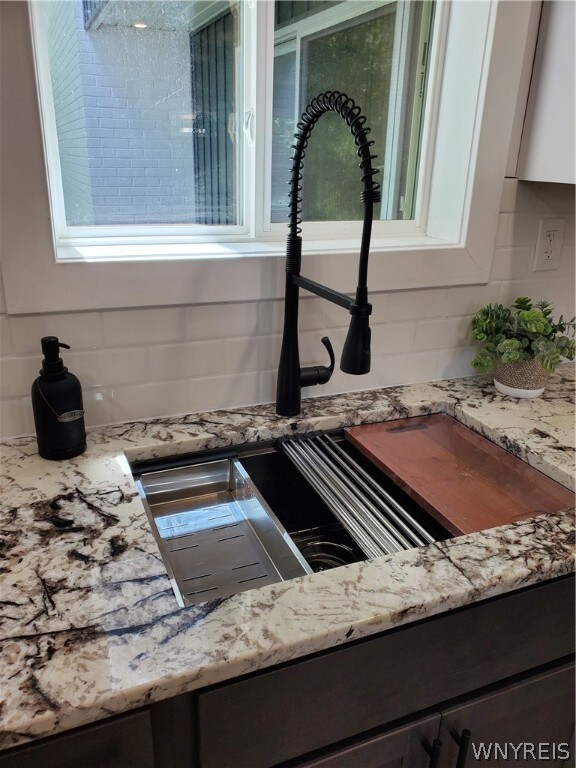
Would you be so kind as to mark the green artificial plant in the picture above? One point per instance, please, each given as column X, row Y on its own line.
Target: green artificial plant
column 526, row 331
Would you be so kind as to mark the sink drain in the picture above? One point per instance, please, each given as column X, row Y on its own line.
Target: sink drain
column 323, row 555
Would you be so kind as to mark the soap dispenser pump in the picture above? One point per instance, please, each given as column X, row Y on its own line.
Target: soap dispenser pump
column 57, row 406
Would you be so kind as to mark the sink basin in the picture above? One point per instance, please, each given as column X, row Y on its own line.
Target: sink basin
column 241, row 518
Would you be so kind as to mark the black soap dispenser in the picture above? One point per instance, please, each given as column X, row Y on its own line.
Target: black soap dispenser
column 57, row 406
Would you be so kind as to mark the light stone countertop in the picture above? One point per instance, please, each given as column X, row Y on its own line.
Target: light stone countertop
column 89, row 625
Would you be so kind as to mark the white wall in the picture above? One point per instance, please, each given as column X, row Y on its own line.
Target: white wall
column 137, row 364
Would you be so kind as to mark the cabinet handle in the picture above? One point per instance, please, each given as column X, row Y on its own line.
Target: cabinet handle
column 463, row 741
column 433, row 751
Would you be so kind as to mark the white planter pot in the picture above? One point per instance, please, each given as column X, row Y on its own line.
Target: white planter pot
column 517, row 392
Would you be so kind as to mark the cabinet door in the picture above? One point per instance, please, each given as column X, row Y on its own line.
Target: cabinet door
column 547, row 148
column 404, row 747
column 123, row 742
column 527, row 723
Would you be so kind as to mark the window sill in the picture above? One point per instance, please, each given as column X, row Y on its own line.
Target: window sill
column 100, row 253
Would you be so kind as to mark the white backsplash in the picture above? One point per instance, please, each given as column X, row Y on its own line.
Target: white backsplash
column 137, row 364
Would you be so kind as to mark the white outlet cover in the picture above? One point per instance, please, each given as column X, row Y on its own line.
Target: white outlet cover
column 549, row 244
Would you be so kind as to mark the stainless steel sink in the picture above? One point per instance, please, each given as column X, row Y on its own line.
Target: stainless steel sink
column 216, row 534
column 256, row 515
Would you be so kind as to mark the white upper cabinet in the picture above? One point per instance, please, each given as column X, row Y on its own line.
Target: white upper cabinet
column 547, row 147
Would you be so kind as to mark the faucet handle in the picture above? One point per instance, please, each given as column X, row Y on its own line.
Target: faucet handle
column 318, row 374
column 326, row 341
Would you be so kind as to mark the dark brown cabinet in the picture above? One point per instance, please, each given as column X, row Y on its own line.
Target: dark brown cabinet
column 121, row 742
column 410, row 746
column 530, row 722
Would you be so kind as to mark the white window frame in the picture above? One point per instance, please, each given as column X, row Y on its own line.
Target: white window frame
column 473, row 101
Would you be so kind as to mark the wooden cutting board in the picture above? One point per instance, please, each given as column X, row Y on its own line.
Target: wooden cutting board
column 462, row 479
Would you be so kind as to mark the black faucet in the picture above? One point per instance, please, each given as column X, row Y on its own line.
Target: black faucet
column 356, row 353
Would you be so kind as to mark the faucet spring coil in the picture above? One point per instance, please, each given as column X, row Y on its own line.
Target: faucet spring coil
column 346, row 107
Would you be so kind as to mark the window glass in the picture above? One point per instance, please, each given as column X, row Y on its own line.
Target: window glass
column 378, row 57
column 283, row 130
column 145, row 101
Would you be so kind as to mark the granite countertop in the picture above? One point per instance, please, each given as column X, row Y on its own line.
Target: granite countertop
column 89, row 625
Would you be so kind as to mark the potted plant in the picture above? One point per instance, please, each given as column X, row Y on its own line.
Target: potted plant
column 522, row 345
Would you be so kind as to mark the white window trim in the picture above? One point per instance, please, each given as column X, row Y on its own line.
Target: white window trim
column 485, row 50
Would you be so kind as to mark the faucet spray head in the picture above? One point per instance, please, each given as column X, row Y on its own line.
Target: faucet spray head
column 356, row 353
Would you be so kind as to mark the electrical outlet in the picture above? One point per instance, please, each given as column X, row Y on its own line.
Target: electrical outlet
column 549, row 244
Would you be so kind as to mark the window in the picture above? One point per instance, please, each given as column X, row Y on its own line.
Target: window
column 458, row 168
column 148, row 125
column 141, row 102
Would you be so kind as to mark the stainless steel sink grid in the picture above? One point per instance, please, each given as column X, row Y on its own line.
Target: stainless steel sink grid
column 216, row 534
column 374, row 519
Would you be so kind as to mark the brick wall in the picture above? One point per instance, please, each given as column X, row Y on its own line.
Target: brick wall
column 143, row 363
column 61, row 20
column 134, row 120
